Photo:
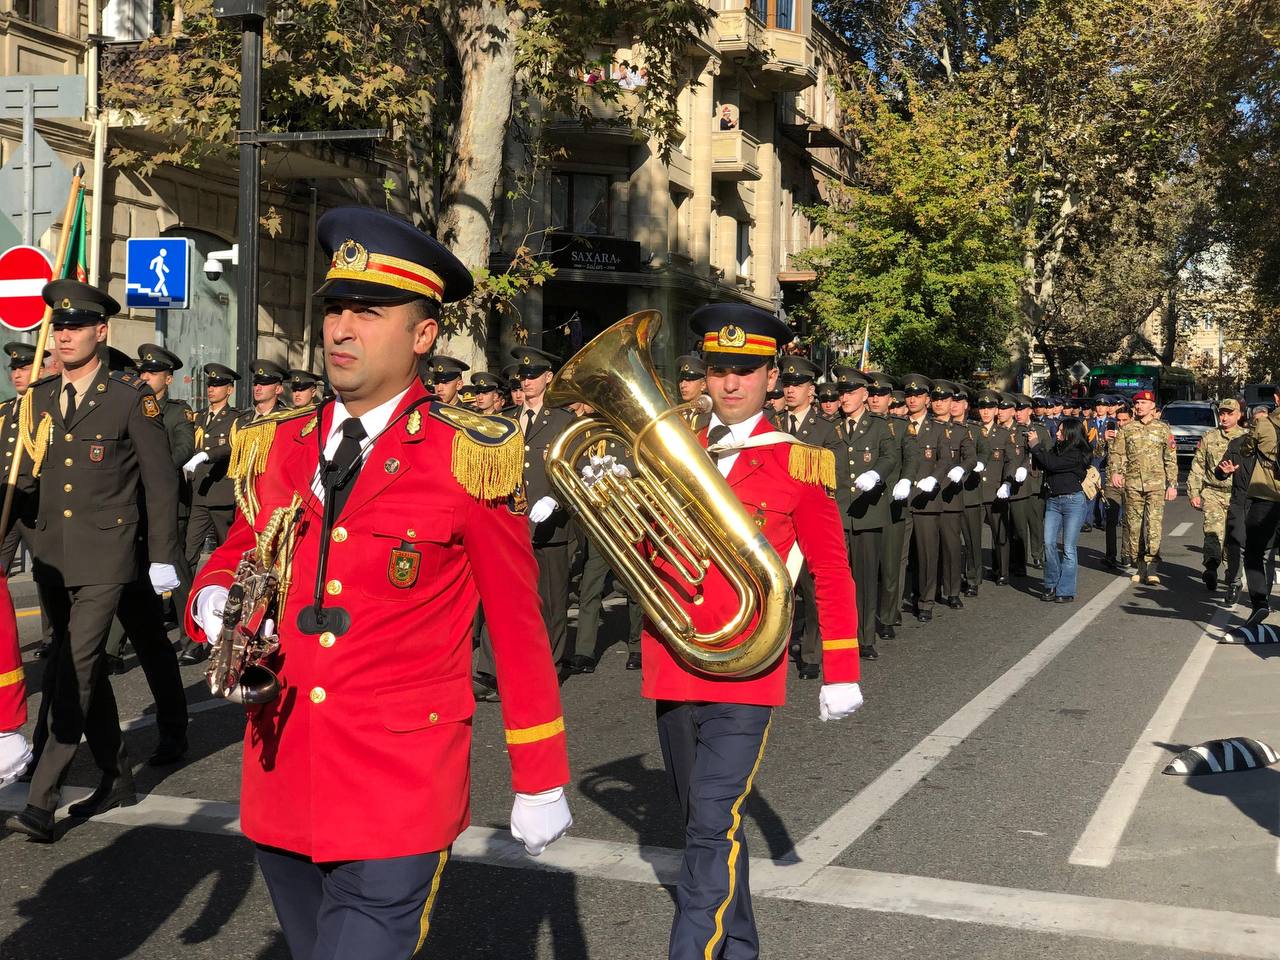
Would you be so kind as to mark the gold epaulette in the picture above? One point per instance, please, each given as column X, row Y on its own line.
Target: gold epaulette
column 812, row 465
column 35, row 440
column 488, row 457
column 250, row 447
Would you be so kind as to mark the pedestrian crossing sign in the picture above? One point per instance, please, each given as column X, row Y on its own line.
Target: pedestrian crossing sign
column 157, row 272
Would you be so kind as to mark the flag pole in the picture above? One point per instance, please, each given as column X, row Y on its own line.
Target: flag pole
column 42, row 337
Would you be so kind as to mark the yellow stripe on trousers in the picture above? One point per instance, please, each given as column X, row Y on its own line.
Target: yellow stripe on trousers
column 736, row 845
column 424, row 925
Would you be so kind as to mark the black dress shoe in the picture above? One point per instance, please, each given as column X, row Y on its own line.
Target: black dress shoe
column 924, row 616
column 168, row 750
column 112, row 792
column 868, row 652
column 484, row 687
column 580, row 664
column 633, row 661
column 1048, row 596
column 1001, row 581
column 955, row 603
column 1257, row 616
column 115, row 665
column 1210, row 579
column 1231, row 594
column 1062, row 599
column 971, row 592
column 195, row 653
column 34, row 822
column 1087, row 528
column 807, row 671
column 884, row 633
column 43, row 652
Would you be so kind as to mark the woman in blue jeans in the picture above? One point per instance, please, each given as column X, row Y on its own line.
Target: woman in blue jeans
column 1064, row 465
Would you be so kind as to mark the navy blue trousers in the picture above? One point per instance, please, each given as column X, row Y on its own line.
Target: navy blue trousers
column 366, row 909
column 712, row 752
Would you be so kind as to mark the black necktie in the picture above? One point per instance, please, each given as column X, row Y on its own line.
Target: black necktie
column 345, row 465
column 528, row 420
column 794, row 425
column 716, row 434
column 70, row 391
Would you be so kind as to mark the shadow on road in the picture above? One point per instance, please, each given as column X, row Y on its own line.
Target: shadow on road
column 1252, row 792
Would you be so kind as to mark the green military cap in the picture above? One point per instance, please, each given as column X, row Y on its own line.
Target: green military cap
column 915, row 383
column 534, row 362
column 219, row 375
column 467, row 392
column 445, row 369
column 1231, row 403
column 880, row 383
column 899, row 397
column 20, row 354
column 303, row 379
column 774, row 394
column 797, row 370
column 987, row 398
column 511, row 373
column 153, row 358
column 849, row 377
column 267, row 371
column 483, row 382
column 829, row 392
column 943, row 390
column 1021, row 401
column 77, row 304
column 119, row 360
column 691, row 367
column 1007, row 401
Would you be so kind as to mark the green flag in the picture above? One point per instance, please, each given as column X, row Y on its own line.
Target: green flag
column 77, row 247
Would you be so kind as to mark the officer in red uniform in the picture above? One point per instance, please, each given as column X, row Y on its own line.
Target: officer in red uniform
column 15, row 752
column 713, row 730
column 356, row 777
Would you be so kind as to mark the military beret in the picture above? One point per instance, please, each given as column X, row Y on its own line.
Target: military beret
column 20, row 354
column 445, row 369
column 738, row 335
column 154, row 358
column 914, row 383
column 1144, row 395
column 219, row 375
column 484, row 382
column 77, row 304
column 691, row 367
column 534, row 362
column 379, row 258
column 267, row 371
column 879, row 383
column 794, row 371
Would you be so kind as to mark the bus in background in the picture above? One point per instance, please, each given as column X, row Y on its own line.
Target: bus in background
column 1256, row 393
column 1126, row 379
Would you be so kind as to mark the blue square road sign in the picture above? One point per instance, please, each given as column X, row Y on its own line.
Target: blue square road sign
column 157, row 272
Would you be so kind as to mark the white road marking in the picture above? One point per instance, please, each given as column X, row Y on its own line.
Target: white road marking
column 1117, row 921
column 1101, row 838
column 846, row 825
column 1180, row 529
column 200, row 706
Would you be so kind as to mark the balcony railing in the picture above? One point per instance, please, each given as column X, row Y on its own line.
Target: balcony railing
column 733, row 155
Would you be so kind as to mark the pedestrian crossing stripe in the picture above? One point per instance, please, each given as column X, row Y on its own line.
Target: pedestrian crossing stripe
column 1262, row 633
column 1222, row 756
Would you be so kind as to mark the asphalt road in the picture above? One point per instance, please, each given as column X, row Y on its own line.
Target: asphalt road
column 998, row 797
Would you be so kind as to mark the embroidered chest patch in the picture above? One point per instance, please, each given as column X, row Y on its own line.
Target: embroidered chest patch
column 403, row 566
column 96, row 452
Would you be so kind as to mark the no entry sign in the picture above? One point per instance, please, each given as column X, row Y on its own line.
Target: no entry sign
column 23, row 273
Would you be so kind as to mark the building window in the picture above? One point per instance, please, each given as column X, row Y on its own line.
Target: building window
column 782, row 14
column 760, row 8
column 580, row 203
column 744, row 249
column 44, row 13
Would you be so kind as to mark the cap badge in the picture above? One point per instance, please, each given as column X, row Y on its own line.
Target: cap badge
column 66, row 303
column 352, row 255
column 732, row 336
column 526, row 361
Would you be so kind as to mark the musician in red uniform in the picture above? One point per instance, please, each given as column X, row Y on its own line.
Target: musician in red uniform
column 713, row 730
column 356, row 777
column 15, row 752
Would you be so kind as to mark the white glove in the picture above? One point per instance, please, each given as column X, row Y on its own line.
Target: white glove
column 866, row 481
column 1002, row 492
column 955, row 474
column 189, row 467
column 901, row 489
column 208, row 611
column 1020, row 474
column 600, row 467
column 979, row 467
column 837, row 700
column 540, row 819
column 163, row 577
column 928, row 484
column 15, row 755
column 544, row 508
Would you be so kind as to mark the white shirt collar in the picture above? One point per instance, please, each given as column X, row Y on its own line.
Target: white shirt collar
column 738, row 431
column 374, row 422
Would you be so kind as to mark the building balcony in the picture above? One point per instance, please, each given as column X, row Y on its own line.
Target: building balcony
column 597, row 121
column 733, row 155
column 791, row 64
column 680, row 170
column 740, row 33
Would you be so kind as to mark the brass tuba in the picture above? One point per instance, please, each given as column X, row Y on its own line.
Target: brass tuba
column 677, row 505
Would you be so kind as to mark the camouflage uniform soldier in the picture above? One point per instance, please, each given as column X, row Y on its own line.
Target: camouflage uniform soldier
column 1144, row 464
column 1211, row 493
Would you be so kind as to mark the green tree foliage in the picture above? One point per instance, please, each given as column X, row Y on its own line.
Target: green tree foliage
column 920, row 246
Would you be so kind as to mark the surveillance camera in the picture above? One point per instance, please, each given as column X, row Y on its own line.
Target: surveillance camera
column 213, row 268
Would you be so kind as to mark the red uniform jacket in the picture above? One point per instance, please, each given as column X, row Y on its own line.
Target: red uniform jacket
column 13, row 692
column 366, row 752
column 788, row 511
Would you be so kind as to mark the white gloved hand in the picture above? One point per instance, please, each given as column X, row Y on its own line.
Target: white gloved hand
column 539, row 819
column 955, row 474
column 979, row 467
column 544, row 508
column 208, row 611
column 928, row 484
column 189, row 467
column 901, row 489
column 600, row 467
column 1002, row 492
column 1020, row 474
column 15, row 755
column 163, row 577
column 866, row 481
column 837, row 700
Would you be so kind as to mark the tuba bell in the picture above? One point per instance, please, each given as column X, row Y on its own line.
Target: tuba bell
column 676, row 507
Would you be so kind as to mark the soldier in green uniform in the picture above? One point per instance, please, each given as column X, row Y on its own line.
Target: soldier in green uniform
column 959, row 454
column 446, row 377
column 691, row 379
column 1026, row 505
column 268, row 392
column 931, row 456
column 971, row 522
column 996, row 447
column 1212, row 493
column 304, row 388
column 1144, row 464
column 99, row 447
column 829, row 401
column 488, row 392
column 213, row 502
column 868, row 464
column 895, row 540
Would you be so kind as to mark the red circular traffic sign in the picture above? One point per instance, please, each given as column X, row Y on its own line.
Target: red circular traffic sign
column 23, row 273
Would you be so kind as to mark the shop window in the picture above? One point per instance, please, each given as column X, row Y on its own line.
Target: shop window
column 744, row 249
column 580, row 203
column 44, row 13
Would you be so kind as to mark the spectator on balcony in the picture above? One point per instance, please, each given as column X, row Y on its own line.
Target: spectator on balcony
column 727, row 120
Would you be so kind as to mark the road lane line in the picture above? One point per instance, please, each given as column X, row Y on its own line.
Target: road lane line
column 1114, row 921
column 1180, row 529
column 1101, row 838
column 846, row 825
column 200, row 706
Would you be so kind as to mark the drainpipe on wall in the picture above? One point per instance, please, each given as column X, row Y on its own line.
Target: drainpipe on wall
column 309, row 309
